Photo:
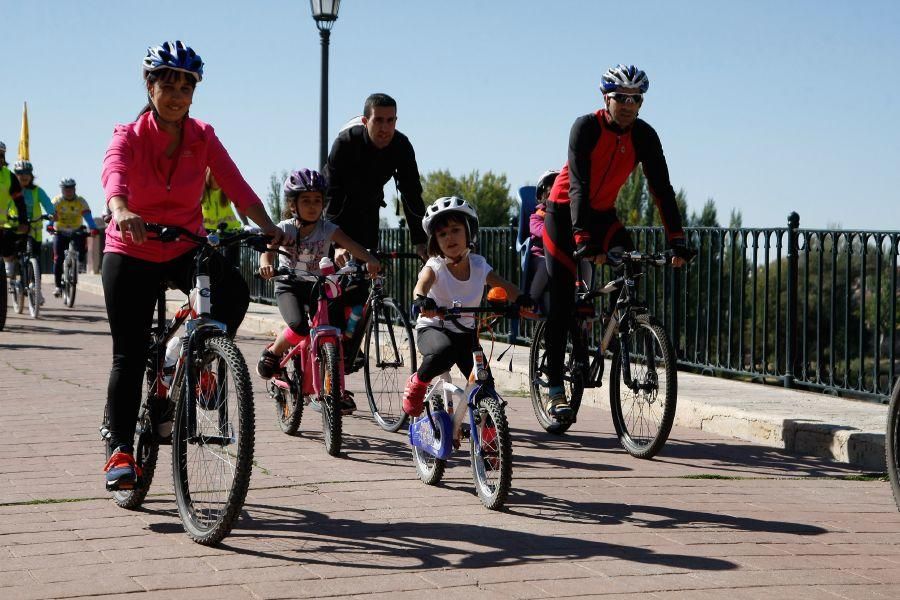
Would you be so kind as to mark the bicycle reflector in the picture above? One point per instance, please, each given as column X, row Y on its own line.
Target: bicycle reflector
column 497, row 295
column 423, row 436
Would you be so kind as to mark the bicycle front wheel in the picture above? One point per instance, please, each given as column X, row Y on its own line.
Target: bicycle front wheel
column 892, row 443
column 70, row 280
column 212, row 460
column 492, row 461
column 330, row 397
column 430, row 469
column 643, row 387
column 33, row 287
column 390, row 360
column 539, row 378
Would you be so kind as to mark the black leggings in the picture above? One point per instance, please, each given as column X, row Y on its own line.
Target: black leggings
column 292, row 300
column 441, row 349
column 559, row 246
column 131, row 286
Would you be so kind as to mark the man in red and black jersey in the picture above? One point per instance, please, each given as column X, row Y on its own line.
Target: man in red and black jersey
column 581, row 220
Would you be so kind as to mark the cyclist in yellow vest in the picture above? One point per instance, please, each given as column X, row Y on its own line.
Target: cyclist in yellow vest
column 35, row 199
column 70, row 209
column 217, row 211
column 10, row 202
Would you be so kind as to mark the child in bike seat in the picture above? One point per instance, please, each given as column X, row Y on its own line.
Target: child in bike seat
column 304, row 198
column 453, row 274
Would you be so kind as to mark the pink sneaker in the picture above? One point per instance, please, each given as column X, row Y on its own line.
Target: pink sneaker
column 414, row 396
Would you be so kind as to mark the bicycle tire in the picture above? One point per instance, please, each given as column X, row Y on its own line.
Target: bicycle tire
column 70, row 278
column 892, row 443
column 4, row 297
column 289, row 404
column 330, row 397
column 209, row 510
column 430, row 469
column 494, row 460
column 538, row 381
column 385, row 382
column 146, row 454
column 628, row 406
column 33, row 287
column 18, row 289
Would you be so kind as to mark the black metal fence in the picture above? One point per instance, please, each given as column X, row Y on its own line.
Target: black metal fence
column 812, row 309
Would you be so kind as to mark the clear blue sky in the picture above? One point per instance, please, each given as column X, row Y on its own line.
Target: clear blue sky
column 765, row 106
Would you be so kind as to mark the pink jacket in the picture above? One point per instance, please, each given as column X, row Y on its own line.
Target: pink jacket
column 167, row 190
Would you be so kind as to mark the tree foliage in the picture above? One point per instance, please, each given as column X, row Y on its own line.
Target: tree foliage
column 273, row 195
column 487, row 193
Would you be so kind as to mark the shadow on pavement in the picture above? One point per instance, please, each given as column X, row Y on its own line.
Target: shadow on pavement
column 310, row 538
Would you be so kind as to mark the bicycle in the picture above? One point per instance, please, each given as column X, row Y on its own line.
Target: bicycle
column 390, row 348
column 892, row 443
column 312, row 370
column 26, row 279
column 202, row 406
column 643, row 378
column 69, row 278
column 433, row 435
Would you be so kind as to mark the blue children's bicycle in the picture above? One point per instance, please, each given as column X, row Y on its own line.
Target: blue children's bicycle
column 436, row 434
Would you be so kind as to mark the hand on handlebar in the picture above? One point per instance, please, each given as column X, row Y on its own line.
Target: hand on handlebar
column 589, row 251
column 427, row 306
column 131, row 225
column 373, row 266
column 266, row 271
column 682, row 254
column 341, row 257
column 278, row 235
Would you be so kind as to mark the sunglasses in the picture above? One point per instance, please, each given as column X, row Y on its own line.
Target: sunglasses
column 627, row 98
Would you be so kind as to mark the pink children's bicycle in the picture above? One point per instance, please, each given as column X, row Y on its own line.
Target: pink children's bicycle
column 312, row 371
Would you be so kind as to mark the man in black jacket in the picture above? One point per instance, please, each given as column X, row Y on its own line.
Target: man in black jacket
column 362, row 160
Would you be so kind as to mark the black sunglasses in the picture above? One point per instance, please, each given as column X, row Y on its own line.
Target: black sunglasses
column 626, row 98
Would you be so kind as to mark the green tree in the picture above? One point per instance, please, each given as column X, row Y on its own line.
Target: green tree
column 736, row 220
column 707, row 217
column 273, row 195
column 488, row 193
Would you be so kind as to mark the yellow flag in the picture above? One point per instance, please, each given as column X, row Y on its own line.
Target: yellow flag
column 23, row 138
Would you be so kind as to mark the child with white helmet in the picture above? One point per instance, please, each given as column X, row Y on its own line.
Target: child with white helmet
column 453, row 274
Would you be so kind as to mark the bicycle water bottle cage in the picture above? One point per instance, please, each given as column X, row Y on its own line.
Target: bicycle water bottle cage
column 423, row 436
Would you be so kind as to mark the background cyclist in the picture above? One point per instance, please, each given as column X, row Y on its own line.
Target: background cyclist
column 155, row 170
column 217, row 212
column 11, row 202
column 37, row 202
column 604, row 148
column 69, row 210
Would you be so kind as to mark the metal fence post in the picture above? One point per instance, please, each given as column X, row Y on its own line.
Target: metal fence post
column 790, row 341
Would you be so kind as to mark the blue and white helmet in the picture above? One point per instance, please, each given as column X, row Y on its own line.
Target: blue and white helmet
column 623, row 76
column 176, row 56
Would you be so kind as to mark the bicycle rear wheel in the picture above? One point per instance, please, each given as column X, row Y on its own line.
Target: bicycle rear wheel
column 212, row 464
column 289, row 403
column 538, row 376
column 70, row 280
column 892, row 443
column 643, row 412
column 32, row 283
column 492, row 462
column 390, row 360
column 330, row 397
column 146, row 453
column 430, row 469
column 4, row 297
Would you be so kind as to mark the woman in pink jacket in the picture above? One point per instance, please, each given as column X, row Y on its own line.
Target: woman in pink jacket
column 154, row 171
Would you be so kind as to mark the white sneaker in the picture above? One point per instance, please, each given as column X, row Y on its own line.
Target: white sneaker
column 57, row 292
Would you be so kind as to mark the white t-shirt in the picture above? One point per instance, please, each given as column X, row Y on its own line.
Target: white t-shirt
column 448, row 290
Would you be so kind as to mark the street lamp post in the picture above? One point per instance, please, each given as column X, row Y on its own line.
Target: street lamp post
column 325, row 13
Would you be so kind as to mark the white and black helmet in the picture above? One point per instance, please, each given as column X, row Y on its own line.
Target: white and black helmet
column 624, row 76
column 67, row 182
column 545, row 182
column 447, row 205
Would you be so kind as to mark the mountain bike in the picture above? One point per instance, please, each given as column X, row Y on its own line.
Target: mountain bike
column 892, row 443
column 69, row 278
column 434, row 435
column 202, row 405
column 643, row 378
column 390, row 348
column 26, row 280
column 312, row 370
